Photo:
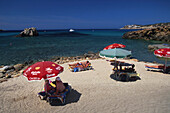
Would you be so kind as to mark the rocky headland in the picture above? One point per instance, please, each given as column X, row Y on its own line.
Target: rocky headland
column 157, row 34
column 28, row 32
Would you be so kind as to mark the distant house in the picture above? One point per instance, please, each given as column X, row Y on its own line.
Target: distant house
column 133, row 26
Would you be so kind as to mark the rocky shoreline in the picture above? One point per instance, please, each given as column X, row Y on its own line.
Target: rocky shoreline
column 154, row 47
column 157, row 34
column 13, row 71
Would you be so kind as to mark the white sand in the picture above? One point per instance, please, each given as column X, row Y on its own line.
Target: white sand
column 94, row 91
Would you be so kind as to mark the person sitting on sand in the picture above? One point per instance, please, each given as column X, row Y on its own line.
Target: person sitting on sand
column 48, row 88
column 59, row 85
column 54, row 87
column 132, row 69
column 117, row 63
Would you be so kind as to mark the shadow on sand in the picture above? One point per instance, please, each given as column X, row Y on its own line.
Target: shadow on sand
column 167, row 71
column 72, row 97
column 124, row 78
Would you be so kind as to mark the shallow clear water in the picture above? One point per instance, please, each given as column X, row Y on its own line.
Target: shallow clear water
column 15, row 50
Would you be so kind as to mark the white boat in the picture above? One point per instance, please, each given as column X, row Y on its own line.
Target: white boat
column 71, row 30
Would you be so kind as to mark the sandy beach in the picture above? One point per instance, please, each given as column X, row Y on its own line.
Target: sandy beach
column 93, row 91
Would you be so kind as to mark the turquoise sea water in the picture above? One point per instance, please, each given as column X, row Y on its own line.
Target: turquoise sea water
column 51, row 43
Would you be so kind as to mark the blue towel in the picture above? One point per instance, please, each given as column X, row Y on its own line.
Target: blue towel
column 76, row 69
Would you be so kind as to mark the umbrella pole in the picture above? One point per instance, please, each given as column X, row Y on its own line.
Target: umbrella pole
column 116, row 64
column 165, row 64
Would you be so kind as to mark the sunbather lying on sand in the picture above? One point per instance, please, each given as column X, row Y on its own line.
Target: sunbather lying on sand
column 79, row 66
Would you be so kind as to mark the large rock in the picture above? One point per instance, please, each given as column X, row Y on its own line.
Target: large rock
column 158, row 46
column 6, row 68
column 28, row 32
column 2, row 75
column 158, row 34
column 18, row 67
column 3, row 80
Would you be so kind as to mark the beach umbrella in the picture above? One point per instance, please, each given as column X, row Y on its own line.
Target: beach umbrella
column 115, row 45
column 44, row 69
column 115, row 53
column 163, row 53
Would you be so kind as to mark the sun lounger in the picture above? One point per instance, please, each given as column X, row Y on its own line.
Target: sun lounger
column 127, row 76
column 122, row 66
column 80, row 66
column 54, row 97
column 125, row 72
column 155, row 67
column 60, row 96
